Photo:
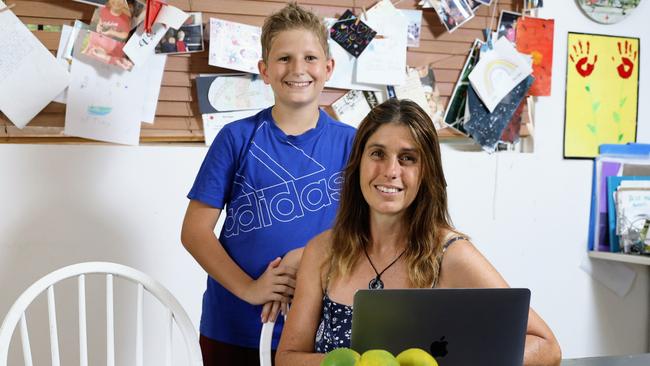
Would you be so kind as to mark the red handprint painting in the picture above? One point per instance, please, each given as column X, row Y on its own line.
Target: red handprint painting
column 627, row 59
column 580, row 57
column 601, row 92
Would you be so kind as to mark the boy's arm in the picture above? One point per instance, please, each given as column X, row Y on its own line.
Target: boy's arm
column 275, row 284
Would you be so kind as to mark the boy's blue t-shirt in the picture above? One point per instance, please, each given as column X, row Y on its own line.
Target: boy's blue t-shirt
column 278, row 191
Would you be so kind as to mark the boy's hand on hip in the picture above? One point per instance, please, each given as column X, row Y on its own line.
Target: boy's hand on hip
column 275, row 284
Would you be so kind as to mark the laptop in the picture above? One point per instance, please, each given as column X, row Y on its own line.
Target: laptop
column 458, row 327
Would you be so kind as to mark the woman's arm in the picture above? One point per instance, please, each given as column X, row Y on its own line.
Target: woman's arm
column 296, row 346
column 463, row 266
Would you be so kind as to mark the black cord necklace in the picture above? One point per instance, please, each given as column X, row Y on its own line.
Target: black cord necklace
column 376, row 283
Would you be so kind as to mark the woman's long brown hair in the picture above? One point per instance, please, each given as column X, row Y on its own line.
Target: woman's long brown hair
column 424, row 220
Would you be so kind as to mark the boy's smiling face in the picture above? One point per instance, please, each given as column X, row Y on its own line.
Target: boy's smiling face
column 296, row 68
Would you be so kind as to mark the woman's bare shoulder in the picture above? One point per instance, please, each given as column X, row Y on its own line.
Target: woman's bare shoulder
column 319, row 246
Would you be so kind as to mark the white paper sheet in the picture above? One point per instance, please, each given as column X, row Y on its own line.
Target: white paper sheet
column 66, row 33
column 67, row 51
column 214, row 122
column 30, row 76
column 235, row 93
column 351, row 108
column 498, row 71
column 104, row 103
column 616, row 276
column 384, row 60
column 235, row 46
column 412, row 89
column 344, row 67
column 141, row 45
column 154, row 68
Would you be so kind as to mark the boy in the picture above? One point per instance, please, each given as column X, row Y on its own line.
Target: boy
column 278, row 175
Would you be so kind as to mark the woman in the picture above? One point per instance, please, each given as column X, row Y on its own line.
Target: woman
column 392, row 231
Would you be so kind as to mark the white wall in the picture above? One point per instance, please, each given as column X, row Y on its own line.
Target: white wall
column 528, row 213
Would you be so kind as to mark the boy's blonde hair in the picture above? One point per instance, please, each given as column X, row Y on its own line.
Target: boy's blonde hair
column 292, row 17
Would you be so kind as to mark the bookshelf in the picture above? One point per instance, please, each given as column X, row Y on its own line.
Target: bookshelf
column 619, row 257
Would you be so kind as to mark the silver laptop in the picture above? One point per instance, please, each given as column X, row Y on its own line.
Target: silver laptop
column 459, row 327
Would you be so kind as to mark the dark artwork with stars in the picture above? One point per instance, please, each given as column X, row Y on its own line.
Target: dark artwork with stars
column 351, row 33
column 485, row 127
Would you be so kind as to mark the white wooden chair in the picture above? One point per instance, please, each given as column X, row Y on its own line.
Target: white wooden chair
column 266, row 337
column 175, row 313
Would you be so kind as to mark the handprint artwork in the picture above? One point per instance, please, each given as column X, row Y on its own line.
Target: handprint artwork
column 601, row 93
column 627, row 59
column 583, row 67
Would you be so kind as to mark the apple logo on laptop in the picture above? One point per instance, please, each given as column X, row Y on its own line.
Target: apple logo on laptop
column 439, row 348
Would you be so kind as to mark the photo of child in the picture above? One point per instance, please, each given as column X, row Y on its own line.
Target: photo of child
column 113, row 20
column 507, row 25
column 453, row 13
column 105, row 49
column 188, row 38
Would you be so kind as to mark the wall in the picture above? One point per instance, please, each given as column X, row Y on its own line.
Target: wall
column 527, row 212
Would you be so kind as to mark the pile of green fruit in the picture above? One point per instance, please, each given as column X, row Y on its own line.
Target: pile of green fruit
column 377, row 357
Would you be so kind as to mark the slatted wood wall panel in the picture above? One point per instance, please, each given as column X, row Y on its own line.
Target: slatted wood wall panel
column 177, row 115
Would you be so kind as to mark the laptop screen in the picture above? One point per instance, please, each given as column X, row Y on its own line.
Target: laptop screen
column 459, row 327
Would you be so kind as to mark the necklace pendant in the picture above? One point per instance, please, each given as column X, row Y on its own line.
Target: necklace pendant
column 376, row 284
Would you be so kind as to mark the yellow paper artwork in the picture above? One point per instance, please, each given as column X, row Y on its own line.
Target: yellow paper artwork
column 601, row 93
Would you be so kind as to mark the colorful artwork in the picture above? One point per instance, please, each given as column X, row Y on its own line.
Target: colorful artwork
column 234, row 45
column 601, row 93
column 351, row 33
column 535, row 38
column 498, row 71
column 608, row 11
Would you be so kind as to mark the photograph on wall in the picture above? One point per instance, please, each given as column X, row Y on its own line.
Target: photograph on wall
column 92, row 2
column 113, row 20
column 432, row 94
column 414, row 27
column 507, row 26
column 186, row 39
column 455, row 113
column 453, row 13
column 533, row 4
column 474, row 4
column 607, row 11
column 105, row 49
column 602, row 88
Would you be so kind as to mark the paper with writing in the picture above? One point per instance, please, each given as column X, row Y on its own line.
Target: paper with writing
column 30, row 76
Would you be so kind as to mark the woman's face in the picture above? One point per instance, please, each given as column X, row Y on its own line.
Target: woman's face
column 390, row 170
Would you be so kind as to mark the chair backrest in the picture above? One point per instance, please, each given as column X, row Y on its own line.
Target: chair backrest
column 175, row 313
column 266, row 337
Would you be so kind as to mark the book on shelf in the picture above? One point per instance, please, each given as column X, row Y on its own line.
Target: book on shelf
column 614, row 160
